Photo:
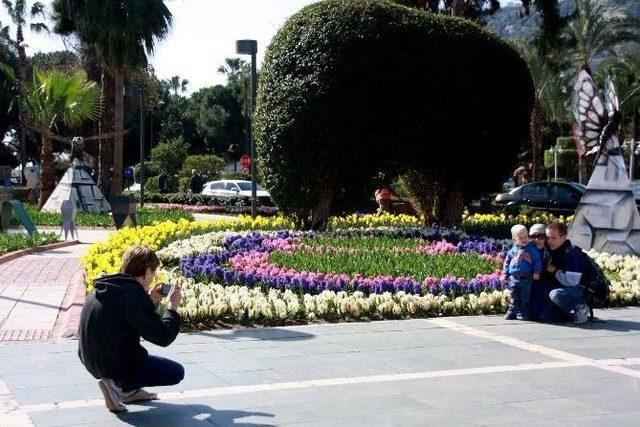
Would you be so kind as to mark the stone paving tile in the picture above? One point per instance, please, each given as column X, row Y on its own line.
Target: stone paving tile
column 482, row 400
column 48, row 372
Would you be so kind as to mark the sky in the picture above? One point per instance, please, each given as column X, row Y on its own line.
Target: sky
column 202, row 36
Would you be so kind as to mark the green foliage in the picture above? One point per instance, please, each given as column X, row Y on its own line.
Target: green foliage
column 196, row 199
column 64, row 61
column 567, row 158
column 372, row 257
column 446, row 92
column 15, row 242
column 208, row 167
column 170, row 155
column 54, row 98
column 217, row 115
column 144, row 216
column 8, row 110
column 121, row 32
column 152, row 184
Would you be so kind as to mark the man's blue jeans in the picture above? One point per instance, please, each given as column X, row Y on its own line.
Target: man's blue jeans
column 520, row 296
column 567, row 298
column 155, row 371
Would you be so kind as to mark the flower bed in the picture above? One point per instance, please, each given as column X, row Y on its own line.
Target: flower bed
column 234, row 275
column 144, row 216
column 499, row 225
column 107, row 257
column 215, row 209
column 15, row 242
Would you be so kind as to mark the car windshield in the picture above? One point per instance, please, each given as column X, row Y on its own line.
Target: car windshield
column 246, row 186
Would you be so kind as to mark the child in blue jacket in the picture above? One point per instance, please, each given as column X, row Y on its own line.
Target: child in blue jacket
column 521, row 266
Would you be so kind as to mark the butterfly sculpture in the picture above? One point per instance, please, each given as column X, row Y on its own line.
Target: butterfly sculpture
column 607, row 218
column 598, row 120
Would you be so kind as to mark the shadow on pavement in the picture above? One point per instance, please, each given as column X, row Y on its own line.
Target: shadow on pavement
column 612, row 325
column 266, row 334
column 172, row 414
column 601, row 324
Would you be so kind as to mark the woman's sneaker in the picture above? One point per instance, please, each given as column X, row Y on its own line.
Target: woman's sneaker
column 139, row 395
column 581, row 314
column 111, row 395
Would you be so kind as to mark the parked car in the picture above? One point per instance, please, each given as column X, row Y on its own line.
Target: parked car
column 235, row 189
column 552, row 196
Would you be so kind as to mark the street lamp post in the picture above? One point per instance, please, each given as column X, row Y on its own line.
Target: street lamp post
column 250, row 47
column 136, row 91
column 632, row 158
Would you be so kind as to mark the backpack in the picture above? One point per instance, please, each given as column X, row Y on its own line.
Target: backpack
column 594, row 282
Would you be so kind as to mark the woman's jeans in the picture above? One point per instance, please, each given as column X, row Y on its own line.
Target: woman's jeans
column 155, row 371
column 567, row 298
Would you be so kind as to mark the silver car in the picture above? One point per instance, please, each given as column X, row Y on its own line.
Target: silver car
column 232, row 188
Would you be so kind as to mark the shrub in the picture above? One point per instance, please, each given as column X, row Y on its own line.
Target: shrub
column 152, row 184
column 170, row 155
column 15, row 242
column 208, row 166
column 352, row 87
column 567, row 158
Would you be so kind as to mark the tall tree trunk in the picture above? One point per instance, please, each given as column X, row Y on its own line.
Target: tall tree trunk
column 116, row 187
column 47, row 179
column 422, row 186
column 582, row 169
column 320, row 213
column 458, row 8
column 22, row 83
column 105, row 156
column 451, row 200
column 537, row 122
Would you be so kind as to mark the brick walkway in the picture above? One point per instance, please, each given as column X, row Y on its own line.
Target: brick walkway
column 32, row 289
column 35, row 290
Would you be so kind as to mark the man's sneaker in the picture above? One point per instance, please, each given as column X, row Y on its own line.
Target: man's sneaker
column 522, row 317
column 510, row 316
column 111, row 395
column 139, row 395
column 581, row 314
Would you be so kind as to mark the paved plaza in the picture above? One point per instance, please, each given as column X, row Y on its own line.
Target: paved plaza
column 447, row 371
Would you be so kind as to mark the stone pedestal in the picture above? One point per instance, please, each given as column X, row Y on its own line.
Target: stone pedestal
column 607, row 218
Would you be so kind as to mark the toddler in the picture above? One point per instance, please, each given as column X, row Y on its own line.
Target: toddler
column 521, row 266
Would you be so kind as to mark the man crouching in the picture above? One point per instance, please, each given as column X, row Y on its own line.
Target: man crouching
column 115, row 315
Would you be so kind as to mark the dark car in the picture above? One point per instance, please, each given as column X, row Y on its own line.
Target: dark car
column 552, row 196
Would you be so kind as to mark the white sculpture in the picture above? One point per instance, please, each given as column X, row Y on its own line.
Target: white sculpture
column 77, row 186
column 607, row 218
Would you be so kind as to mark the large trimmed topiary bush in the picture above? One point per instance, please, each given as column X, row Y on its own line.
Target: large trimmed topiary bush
column 351, row 87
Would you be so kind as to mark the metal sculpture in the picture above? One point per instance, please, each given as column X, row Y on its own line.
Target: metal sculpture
column 77, row 186
column 607, row 218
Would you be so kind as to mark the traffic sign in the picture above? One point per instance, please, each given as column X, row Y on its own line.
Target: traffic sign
column 245, row 161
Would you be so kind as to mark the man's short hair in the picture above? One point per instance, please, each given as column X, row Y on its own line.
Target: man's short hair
column 558, row 227
column 138, row 259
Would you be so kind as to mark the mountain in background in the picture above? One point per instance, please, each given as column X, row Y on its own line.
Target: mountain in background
column 508, row 24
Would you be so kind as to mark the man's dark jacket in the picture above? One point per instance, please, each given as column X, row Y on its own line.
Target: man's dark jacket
column 114, row 317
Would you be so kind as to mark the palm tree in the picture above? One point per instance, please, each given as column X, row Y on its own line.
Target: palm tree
column 599, row 28
column 122, row 34
column 551, row 99
column 626, row 72
column 176, row 84
column 17, row 11
column 56, row 98
column 238, row 72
